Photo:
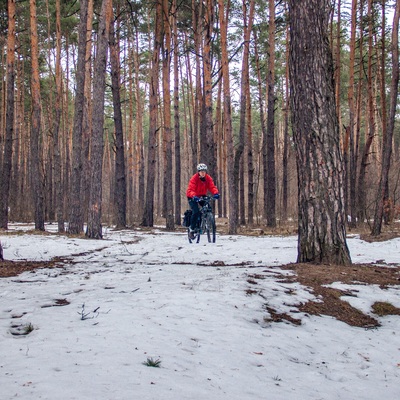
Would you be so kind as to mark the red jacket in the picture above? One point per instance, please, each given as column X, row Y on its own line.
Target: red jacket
column 198, row 188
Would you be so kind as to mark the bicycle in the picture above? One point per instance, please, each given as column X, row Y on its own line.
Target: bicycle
column 205, row 223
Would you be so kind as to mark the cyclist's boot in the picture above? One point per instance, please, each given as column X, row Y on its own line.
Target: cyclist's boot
column 191, row 234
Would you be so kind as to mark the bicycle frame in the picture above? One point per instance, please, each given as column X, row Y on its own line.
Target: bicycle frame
column 206, row 222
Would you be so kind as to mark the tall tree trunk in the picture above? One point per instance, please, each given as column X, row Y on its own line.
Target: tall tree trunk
column 18, row 169
column 148, row 217
column 177, row 130
column 207, row 145
column 75, row 200
column 338, row 64
column 362, row 192
column 167, row 142
column 262, row 118
column 87, row 117
column 250, row 164
column 270, row 192
column 352, row 170
column 285, row 185
column 197, row 19
column 248, row 22
column 94, row 228
column 6, row 164
column 139, row 145
column 387, row 144
column 120, row 177
column 36, row 167
column 221, row 149
column 233, row 194
column 59, row 198
column 242, row 200
column 322, row 230
column 388, row 208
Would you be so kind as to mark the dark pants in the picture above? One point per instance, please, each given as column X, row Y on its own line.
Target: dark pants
column 195, row 213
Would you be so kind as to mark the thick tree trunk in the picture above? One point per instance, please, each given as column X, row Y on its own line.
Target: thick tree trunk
column 387, row 144
column 87, row 116
column 139, row 145
column 59, row 198
column 197, row 20
column 353, row 152
column 362, row 189
column 36, row 167
column 207, row 145
column 75, row 225
column 120, row 177
column 262, row 122
column 270, row 192
column 285, row 155
column 322, row 234
column 94, row 227
column 250, row 163
column 238, row 188
column 148, row 213
column 6, row 164
column 167, row 142
column 177, row 130
column 233, row 197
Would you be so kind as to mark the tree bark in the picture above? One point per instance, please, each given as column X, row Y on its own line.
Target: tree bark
column 177, row 130
column 120, row 177
column 148, row 217
column 387, row 144
column 227, row 123
column 362, row 189
column 87, row 116
column 270, row 190
column 250, row 163
column 139, row 143
column 285, row 155
column 59, row 198
column 94, row 227
column 75, row 225
column 207, row 145
column 321, row 222
column 167, row 142
column 353, row 154
column 262, row 119
column 36, row 167
column 238, row 188
column 6, row 163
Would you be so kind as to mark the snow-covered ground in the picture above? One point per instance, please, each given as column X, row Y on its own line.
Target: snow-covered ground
column 136, row 297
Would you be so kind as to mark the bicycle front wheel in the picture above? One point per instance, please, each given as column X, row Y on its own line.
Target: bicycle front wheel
column 210, row 227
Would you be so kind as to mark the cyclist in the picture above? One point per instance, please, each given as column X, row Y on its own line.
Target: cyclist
column 200, row 183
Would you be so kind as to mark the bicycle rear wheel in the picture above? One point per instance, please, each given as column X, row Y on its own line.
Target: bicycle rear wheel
column 210, row 227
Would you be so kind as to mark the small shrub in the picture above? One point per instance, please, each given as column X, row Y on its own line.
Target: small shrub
column 28, row 328
column 152, row 363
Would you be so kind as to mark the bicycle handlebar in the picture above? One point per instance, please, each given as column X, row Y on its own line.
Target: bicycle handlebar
column 205, row 198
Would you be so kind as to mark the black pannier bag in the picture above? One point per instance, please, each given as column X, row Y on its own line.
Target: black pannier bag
column 186, row 218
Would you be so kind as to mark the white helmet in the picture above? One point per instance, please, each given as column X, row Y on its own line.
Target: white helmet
column 202, row 167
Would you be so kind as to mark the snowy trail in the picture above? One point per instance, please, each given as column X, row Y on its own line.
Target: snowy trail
column 155, row 296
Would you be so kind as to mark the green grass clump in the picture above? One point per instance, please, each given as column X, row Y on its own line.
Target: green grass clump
column 152, row 363
column 28, row 328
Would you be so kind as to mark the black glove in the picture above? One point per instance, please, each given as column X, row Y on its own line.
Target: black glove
column 216, row 196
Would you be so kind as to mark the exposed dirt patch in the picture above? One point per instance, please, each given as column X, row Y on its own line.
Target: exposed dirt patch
column 14, row 268
column 316, row 276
